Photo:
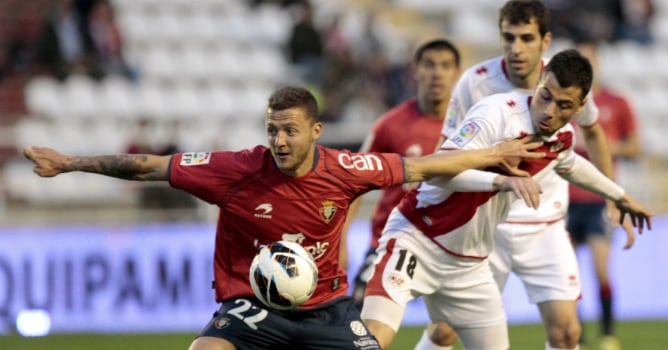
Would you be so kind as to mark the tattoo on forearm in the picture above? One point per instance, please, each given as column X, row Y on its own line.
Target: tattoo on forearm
column 124, row 166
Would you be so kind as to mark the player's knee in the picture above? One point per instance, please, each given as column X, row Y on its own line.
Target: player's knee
column 383, row 333
column 565, row 336
column 441, row 334
column 211, row 343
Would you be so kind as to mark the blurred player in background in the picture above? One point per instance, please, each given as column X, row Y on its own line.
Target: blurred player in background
column 293, row 189
column 410, row 129
column 525, row 242
column 436, row 241
column 587, row 220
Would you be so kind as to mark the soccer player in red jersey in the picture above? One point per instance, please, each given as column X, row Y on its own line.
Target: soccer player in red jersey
column 291, row 190
column 410, row 129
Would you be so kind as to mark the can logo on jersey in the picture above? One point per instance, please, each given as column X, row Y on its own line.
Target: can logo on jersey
column 327, row 211
column 465, row 133
column 195, row 158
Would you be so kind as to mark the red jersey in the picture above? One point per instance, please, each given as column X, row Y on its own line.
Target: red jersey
column 618, row 121
column 406, row 131
column 259, row 204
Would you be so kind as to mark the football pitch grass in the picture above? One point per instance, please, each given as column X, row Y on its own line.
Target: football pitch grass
column 640, row 335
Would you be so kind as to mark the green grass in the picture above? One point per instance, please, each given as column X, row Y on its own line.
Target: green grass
column 649, row 335
column 646, row 335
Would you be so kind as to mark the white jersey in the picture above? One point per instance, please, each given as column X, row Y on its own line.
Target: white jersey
column 472, row 217
column 488, row 78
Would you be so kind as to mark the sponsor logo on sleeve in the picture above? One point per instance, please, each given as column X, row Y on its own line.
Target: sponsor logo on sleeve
column 465, row 133
column 195, row 158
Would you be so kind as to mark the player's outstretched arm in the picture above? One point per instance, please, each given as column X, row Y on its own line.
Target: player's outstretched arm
column 141, row 167
column 454, row 162
column 639, row 216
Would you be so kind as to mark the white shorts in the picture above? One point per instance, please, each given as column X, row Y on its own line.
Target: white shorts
column 542, row 257
column 460, row 291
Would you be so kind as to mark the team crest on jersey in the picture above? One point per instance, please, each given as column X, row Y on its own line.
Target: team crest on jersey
column 327, row 211
column 556, row 147
column 465, row 133
column 195, row 158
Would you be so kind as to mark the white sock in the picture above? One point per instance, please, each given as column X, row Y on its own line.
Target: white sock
column 425, row 343
column 548, row 347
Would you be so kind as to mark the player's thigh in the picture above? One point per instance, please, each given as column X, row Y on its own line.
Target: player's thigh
column 494, row 337
column 336, row 326
column 248, row 324
column 558, row 313
column 546, row 263
column 403, row 271
column 211, row 343
column 467, row 299
column 500, row 260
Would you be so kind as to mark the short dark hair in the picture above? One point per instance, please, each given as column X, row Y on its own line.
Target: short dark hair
column 436, row 44
column 294, row 96
column 523, row 11
column 571, row 69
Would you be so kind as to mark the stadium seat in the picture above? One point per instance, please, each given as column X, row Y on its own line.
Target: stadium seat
column 218, row 100
column 151, row 101
column 43, row 97
column 272, row 24
column 118, row 98
column 158, row 64
column 80, row 97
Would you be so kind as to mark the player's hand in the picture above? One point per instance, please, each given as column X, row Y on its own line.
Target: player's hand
column 519, row 148
column 48, row 162
column 614, row 217
column 512, row 152
column 638, row 215
column 524, row 188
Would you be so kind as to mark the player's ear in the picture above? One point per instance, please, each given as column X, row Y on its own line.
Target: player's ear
column 316, row 130
column 547, row 40
column 582, row 104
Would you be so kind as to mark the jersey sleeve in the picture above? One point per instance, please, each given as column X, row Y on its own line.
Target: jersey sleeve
column 365, row 171
column 203, row 174
column 588, row 116
column 460, row 102
column 479, row 129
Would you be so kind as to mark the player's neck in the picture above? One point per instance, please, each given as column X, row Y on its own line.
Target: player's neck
column 432, row 108
column 526, row 83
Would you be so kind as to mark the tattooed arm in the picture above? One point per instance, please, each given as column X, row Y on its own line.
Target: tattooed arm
column 140, row 167
column 506, row 155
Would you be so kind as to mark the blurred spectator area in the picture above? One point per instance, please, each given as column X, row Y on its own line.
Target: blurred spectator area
column 204, row 70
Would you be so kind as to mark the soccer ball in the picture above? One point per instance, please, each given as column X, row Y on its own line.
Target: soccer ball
column 283, row 275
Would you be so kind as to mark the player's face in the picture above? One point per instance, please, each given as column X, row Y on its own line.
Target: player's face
column 291, row 136
column 523, row 47
column 436, row 73
column 553, row 106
